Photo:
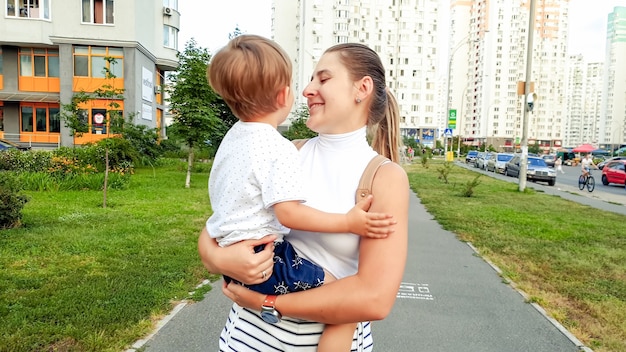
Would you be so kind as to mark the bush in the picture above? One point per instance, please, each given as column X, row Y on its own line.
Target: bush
column 11, row 201
column 31, row 161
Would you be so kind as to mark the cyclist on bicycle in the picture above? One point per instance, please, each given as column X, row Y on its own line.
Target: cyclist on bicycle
column 586, row 165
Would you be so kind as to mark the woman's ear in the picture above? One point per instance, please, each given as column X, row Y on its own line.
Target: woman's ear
column 365, row 87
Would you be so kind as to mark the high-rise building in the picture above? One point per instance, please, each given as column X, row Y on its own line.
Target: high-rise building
column 612, row 129
column 497, row 35
column 583, row 97
column 53, row 49
column 405, row 33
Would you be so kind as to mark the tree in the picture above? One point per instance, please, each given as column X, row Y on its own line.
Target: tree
column 298, row 128
column 77, row 122
column 195, row 106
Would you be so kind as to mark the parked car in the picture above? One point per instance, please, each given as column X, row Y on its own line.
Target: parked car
column 481, row 160
column 537, row 169
column 549, row 159
column 603, row 163
column 478, row 156
column 471, row 155
column 6, row 145
column 614, row 172
column 497, row 162
column 620, row 151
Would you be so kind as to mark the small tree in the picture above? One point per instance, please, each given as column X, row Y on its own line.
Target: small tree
column 298, row 128
column 444, row 171
column 196, row 107
column 77, row 122
column 534, row 148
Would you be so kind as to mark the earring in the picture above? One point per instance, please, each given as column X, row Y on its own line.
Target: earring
column 358, row 100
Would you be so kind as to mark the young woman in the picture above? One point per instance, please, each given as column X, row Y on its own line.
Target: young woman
column 346, row 95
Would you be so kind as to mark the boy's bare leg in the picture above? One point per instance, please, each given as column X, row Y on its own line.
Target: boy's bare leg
column 337, row 338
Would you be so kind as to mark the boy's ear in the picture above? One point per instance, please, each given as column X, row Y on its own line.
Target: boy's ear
column 281, row 98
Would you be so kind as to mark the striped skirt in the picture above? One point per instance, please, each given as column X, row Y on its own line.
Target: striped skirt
column 245, row 331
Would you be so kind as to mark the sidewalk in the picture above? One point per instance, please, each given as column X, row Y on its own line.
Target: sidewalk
column 450, row 300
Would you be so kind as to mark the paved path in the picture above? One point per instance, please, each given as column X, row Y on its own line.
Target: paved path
column 451, row 300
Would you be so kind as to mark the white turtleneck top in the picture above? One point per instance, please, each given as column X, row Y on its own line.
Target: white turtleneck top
column 332, row 166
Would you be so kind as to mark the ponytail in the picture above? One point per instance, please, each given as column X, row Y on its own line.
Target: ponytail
column 386, row 134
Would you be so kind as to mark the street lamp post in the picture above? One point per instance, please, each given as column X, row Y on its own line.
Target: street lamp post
column 523, row 170
column 459, row 45
column 459, row 117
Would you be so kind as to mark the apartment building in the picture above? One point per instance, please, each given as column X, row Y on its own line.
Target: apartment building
column 405, row 33
column 612, row 129
column 52, row 49
column 497, row 37
column 583, row 101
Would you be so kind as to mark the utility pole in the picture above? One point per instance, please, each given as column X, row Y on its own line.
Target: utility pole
column 523, row 169
column 451, row 58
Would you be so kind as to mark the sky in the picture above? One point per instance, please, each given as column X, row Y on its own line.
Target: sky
column 210, row 23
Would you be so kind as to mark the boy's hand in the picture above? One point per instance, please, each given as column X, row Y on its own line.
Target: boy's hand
column 372, row 225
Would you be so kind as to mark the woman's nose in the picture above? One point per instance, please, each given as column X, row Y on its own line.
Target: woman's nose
column 308, row 90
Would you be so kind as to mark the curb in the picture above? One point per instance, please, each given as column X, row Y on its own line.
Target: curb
column 561, row 328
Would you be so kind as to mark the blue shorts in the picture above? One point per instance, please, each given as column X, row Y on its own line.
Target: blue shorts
column 291, row 272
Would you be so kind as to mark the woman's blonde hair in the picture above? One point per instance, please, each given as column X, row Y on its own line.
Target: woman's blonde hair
column 383, row 117
column 248, row 73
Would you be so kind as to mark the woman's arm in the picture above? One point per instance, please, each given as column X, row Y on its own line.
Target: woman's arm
column 369, row 294
column 238, row 260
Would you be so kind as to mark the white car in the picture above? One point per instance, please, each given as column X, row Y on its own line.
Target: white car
column 497, row 162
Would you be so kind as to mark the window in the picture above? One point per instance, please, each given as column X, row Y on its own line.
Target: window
column 39, row 62
column 171, row 3
column 40, row 118
column 38, row 9
column 98, row 11
column 91, row 61
column 170, row 37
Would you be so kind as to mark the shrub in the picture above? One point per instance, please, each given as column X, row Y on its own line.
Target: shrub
column 31, row 161
column 469, row 187
column 11, row 201
column 444, row 171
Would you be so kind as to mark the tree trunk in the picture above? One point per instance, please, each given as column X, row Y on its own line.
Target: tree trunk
column 106, row 177
column 189, row 166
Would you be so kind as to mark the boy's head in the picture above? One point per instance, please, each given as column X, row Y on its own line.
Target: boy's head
column 248, row 73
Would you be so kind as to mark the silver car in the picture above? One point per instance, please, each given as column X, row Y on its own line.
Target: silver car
column 497, row 162
column 537, row 169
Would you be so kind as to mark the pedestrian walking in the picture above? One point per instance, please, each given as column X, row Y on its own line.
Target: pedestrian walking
column 559, row 165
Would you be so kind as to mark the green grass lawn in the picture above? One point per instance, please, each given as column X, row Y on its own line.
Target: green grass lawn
column 79, row 277
column 568, row 257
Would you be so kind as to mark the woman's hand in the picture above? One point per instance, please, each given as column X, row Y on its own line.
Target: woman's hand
column 243, row 296
column 238, row 261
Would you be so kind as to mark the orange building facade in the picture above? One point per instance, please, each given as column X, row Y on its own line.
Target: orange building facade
column 51, row 50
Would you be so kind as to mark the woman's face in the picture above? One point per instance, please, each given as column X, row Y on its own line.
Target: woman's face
column 331, row 97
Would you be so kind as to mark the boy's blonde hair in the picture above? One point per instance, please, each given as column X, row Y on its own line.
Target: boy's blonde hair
column 248, row 73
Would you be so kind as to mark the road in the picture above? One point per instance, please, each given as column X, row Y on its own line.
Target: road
column 568, row 182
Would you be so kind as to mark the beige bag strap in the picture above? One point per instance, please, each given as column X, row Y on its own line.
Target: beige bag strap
column 367, row 179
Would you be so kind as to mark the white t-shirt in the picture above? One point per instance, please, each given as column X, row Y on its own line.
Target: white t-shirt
column 332, row 166
column 254, row 168
column 586, row 163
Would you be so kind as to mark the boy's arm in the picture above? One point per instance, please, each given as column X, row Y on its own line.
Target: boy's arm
column 295, row 215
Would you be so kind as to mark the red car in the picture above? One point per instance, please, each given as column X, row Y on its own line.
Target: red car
column 614, row 172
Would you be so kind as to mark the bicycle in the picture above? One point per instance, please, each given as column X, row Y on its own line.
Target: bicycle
column 587, row 181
